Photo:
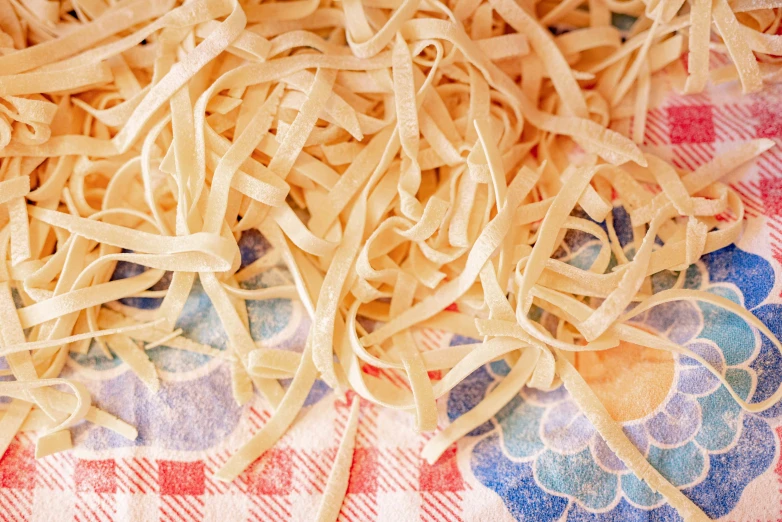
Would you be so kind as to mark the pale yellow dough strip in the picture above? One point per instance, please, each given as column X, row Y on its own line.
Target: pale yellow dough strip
column 615, row 438
column 337, row 483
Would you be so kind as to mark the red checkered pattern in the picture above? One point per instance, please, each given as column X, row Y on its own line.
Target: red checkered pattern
column 389, row 481
column 691, row 130
column 285, row 484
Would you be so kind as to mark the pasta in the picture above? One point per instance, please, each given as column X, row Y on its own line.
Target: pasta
column 412, row 162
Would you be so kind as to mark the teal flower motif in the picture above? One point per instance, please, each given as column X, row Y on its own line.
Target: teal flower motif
column 199, row 394
column 586, row 480
column 699, row 438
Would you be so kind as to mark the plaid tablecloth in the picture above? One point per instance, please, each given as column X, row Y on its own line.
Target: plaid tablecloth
column 537, row 460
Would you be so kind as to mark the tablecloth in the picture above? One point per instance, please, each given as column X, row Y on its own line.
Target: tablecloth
column 538, row 459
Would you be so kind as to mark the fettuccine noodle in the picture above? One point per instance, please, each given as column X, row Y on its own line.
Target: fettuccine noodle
column 413, row 163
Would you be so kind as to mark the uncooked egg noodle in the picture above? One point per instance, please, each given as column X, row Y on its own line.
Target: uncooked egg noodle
column 413, row 163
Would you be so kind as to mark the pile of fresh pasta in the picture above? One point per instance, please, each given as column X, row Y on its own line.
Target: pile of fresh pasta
column 413, row 163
